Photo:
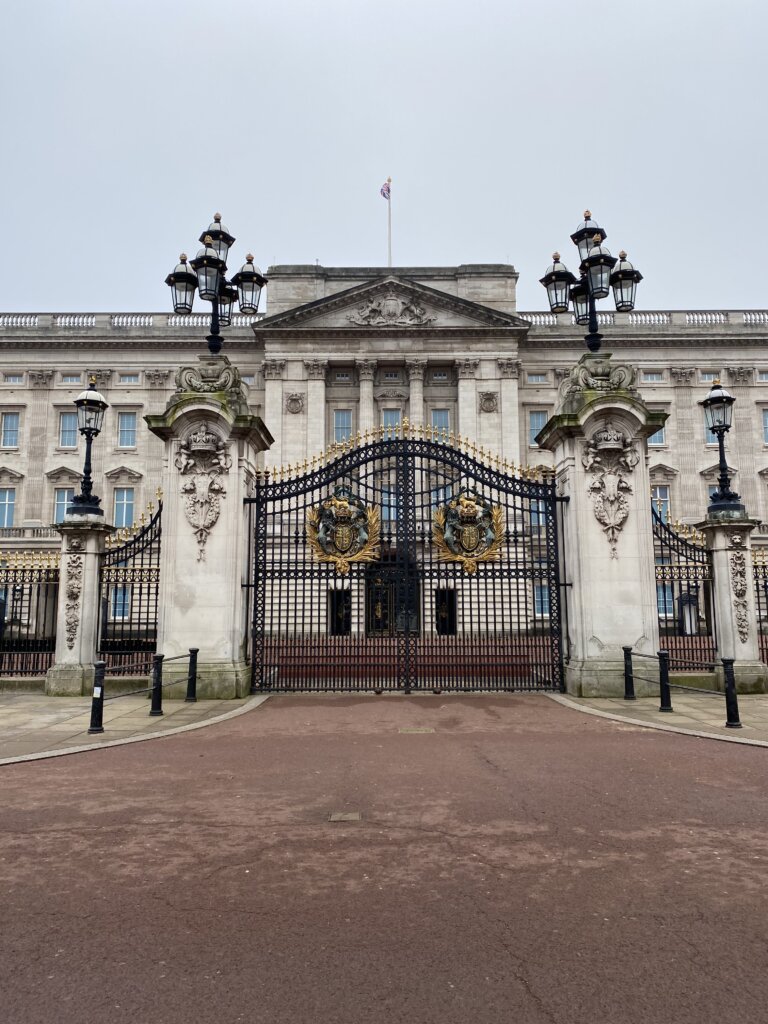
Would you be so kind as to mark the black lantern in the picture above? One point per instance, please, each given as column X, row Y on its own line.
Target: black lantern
column 206, row 272
column 209, row 268
column 183, row 282
column 718, row 414
column 598, row 265
column 599, row 273
column 249, row 282
column 91, row 406
column 220, row 238
column 558, row 280
column 624, row 280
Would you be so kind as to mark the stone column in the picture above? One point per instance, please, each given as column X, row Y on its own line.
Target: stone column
column 366, row 369
column 734, row 598
column 77, row 621
column 741, row 439
column 273, row 407
column 211, row 448
column 689, row 420
column 40, row 408
column 509, row 369
column 599, row 440
column 316, row 370
column 416, row 369
column 467, row 398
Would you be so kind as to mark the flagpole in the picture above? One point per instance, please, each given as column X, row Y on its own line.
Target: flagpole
column 389, row 224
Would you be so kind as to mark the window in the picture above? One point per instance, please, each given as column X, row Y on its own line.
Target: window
column 441, row 419
column 388, row 504
column 538, row 513
column 391, row 420
column 68, row 430
column 710, row 437
column 652, row 376
column 343, row 377
column 123, row 506
column 7, row 503
column 537, row 419
column 247, row 378
column 13, row 378
column 441, row 495
column 62, row 497
column 762, row 375
column 120, row 601
column 660, row 500
column 658, row 438
column 665, row 598
column 537, row 378
column 10, row 430
column 391, row 375
column 128, row 378
column 439, row 376
column 712, row 490
column 126, row 429
column 765, row 426
column 541, row 599
column 710, row 375
column 342, row 425
column 71, row 378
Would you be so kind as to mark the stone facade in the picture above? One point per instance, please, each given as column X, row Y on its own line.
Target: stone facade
column 345, row 349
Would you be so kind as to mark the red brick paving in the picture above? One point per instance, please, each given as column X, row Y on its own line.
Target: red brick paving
column 523, row 863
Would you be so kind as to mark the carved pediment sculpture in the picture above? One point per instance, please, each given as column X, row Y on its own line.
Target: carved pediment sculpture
column 610, row 457
column 391, row 309
column 203, row 458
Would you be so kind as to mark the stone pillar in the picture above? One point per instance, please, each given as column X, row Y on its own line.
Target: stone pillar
column 415, row 368
column 77, row 621
column 316, row 370
column 734, row 599
column 40, row 409
column 598, row 437
column 509, row 369
column 366, row 369
column 273, row 406
column 467, row 398
column 211, row 447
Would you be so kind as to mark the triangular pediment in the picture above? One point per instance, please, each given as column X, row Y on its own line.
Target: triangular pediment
column 713, row 472
column 122, row 473
column 392, row 304
column 8, row 475
column 661, row 471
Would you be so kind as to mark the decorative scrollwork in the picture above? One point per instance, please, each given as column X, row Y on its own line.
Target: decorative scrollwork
column 208, row 379
column 73, row 588
column 610, row 457
column 738, row 566
column 468, row 530
column 203, row 458
column 343, row 530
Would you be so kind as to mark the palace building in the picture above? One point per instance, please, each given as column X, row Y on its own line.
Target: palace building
column 344, row 351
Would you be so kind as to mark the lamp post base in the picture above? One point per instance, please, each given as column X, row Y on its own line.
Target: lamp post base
column 91, row 507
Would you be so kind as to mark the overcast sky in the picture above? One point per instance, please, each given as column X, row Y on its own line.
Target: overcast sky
column 126, row 125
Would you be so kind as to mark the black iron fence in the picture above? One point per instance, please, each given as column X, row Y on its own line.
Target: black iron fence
column 129, row 586
column 154, row 690
column 29, row 597
column 760, row 576
column 683, row 593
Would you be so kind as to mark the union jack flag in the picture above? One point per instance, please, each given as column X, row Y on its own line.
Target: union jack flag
column 385, row 190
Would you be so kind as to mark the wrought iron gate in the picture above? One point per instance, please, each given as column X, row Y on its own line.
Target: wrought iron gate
column 405, row 562
column 129, row 584
column 29, row 596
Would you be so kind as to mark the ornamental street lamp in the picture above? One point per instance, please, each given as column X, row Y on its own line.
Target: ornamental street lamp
column 599, row 273
column 90, row 417
column 718, row 414
column 206, row 273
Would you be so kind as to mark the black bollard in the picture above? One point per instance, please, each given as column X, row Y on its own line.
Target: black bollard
column 731, row 700
column 629, row 678
column 191, row 697
column 157, row 685
column 97, row 702
column 666, row 696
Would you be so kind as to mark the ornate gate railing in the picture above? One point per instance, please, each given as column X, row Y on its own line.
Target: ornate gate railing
column 760, row 576
column 400, row 562
column 129, row 583
column 29, row 596
column 683, row 594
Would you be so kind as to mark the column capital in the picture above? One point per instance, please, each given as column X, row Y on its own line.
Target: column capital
column 273, row 369
column 740, row 374
column 366, row 368
column 416, row 368
column 467, row 368
column 156, row 378
column 509, row 367
column 316, row 368
column 682, row 375
column 40, row 378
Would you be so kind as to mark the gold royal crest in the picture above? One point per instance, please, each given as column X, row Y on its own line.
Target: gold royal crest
column 468, row 530
column 343, row 530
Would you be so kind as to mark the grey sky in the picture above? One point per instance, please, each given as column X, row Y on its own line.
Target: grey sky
column 126, row 125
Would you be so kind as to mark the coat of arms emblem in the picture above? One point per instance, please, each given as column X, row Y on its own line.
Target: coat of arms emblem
column 468, row 530
column 342, row 530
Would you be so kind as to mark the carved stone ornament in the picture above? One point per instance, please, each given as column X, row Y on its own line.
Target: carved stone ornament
column 273, row 369
column 294, row 402
column 467, row 368
column 738, row 569
column 316, row 368
column 75, row 544
column 740, row 374
column 204, row 459
column 40, row 378
column 343, row 530
column 610, row 458
column 206, row 379
column 156, row 378
column 682, row 374
column 509, row 368
column 489, row 401
column 468, row 530
column 391, row 310
column 72, row 590
column 598, row 374
column 415, row 368
column 366, row 368
column 103, row 376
